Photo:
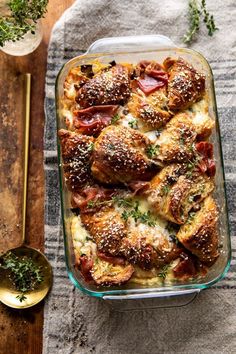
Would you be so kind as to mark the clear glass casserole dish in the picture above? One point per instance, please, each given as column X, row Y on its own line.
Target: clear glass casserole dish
column 134, row 49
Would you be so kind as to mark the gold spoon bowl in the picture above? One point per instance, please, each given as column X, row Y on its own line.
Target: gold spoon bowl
column 8, row 293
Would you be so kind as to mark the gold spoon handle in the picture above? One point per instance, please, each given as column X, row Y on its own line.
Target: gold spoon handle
column 26, row 152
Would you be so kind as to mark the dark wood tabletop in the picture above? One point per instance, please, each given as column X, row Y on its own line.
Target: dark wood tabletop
column 21, row 330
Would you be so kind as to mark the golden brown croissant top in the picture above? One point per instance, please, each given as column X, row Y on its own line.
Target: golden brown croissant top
column 185, row 85
column 119, row 155
column 76, row 154
column 109, row 87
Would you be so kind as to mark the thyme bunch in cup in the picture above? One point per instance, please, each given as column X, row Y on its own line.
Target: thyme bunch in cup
column 19, row 17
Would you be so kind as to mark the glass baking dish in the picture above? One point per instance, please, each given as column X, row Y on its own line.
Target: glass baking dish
column 134, row 49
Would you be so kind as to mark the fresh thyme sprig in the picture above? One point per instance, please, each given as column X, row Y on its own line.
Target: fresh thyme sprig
column 195, row 11
column 25, row 274
column 194, row 20
column 138, row 215
column 208, row 19
column 164, row 270
column 132, row 209
column 22, row 18
column 115, row 118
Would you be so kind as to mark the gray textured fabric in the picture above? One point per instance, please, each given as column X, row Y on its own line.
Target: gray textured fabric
column 75, row 323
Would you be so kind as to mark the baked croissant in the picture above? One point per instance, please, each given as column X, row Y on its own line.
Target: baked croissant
column 106, row 228
column 176, row 190
column 148, row 248
column 151, row 110
column 185, row 86
column 119, row 155
column 175, row 142
column 76, row 152
column 199, row 234
column 106, row 88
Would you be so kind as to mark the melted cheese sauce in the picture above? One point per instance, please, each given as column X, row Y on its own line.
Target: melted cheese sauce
column 81, row 239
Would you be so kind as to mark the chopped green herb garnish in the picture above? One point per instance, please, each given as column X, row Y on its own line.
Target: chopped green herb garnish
column 164, row 271
column 138, row 215
column 91, row 204
column 133, row 124
column 115, row 118
column 122, row 202
column 21, row 297
column 191, row 216
column 25, row 274
column 152, row 150
column 90, row 147
column 125, row 215
column 165, row 189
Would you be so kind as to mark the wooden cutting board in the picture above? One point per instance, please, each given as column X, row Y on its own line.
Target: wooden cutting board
column 21, row 331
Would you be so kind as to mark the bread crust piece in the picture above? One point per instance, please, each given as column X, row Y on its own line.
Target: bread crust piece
column 173, row 193
column 199, row 234
column 76, row 155
column 119, row 155
column 106, row 88
column 186, row 85
column 106, row 228
column 104, row 273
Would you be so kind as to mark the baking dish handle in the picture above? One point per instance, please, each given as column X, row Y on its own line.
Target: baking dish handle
column 152, row 300
column 130, row 44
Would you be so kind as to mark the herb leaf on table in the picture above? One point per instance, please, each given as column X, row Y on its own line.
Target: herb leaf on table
column 195, row 11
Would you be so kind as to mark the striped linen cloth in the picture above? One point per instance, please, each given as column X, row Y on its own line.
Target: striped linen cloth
column 75, row 323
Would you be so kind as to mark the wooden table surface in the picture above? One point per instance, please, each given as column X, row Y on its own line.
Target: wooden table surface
column 21, row 331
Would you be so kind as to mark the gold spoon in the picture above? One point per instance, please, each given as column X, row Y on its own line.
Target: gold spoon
column 8, row 293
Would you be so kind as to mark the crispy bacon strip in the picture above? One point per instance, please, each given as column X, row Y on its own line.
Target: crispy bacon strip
column 92, row 120
column 113, row 260
column 92, row 193
column 85, row 266
column 149, row 84
column 207, row 163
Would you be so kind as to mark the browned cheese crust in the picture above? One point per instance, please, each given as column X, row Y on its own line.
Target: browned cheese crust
column 108, row 87
column 120, row 156
column 76, row 152
column 199, row 235
column 185, row 85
